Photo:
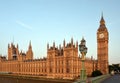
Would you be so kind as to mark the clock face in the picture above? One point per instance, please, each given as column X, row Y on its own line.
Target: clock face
column 101, row 35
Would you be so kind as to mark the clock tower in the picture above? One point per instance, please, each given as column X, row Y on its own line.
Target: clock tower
column 102, row 47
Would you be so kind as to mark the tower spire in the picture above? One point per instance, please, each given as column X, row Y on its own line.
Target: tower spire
column 64, row 43
column 102, row 21
column 8, row 45
column 54, row 44
column 76, row 43
column 102, row 14
column 47, row 45
column 72, row 40
column 30, row 46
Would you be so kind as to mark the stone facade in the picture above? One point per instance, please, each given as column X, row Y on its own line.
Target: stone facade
column 102, row 46
column 63, row 62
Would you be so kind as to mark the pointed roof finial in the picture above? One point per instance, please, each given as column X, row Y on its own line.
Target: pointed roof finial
column 91, row 57
column 8, row 45
column 47, row 45
column 102, row 21
column 72, row 40
column 64, row 43
column 54, row 44
column 76, row 43
column 102, row 14
column 30, row 46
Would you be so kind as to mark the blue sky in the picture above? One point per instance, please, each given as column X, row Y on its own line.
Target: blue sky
column 46, row 21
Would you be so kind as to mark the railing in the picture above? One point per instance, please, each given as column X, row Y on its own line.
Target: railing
column 99, row 78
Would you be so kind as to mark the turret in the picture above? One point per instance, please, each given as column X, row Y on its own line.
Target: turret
column 29, row 54
column 53, row 45
column 12, row 52
column 91, row 57
column 76, row 43
column 30, row 47
column 47, row 46
column 11, row 44
column 64, row 43
column 72, row 41
column 8, row 45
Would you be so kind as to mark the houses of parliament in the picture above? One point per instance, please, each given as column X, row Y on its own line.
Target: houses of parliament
column 61, row 62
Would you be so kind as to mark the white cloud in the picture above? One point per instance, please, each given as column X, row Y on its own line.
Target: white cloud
column 24, row 25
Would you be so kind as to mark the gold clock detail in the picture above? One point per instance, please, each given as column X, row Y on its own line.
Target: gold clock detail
column 101, row 35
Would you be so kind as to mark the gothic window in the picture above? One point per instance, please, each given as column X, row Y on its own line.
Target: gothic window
column 59, row 70
column 50, row 70
column 45, row 70
column 62, row 70
column 67, row 70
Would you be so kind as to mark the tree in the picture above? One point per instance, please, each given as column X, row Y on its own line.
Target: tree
column 96, row 73
column 111, row 68
column 114, row 67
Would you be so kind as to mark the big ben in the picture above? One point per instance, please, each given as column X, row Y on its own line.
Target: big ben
column 102, row 46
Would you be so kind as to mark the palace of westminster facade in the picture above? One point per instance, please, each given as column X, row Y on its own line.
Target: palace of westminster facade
column 62, row 62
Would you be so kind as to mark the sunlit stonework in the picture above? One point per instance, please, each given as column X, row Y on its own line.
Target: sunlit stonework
column 61, row 62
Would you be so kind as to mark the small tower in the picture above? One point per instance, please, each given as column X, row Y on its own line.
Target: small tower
column 30, row 47
column 47, row 46
column 9, row 52
column 29, row 54
column 53, row 45
column 64, row 43
column 17, row 50
column 8, row 45
column 12, row 52
column 72, row 41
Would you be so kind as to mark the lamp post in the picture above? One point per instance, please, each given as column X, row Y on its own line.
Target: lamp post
column 83, row 51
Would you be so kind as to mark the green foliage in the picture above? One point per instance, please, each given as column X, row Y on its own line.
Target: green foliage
column 111, row 68
column 96, row 73
column 114, row 67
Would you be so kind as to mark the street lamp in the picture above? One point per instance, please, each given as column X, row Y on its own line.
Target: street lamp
column 83, row 51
